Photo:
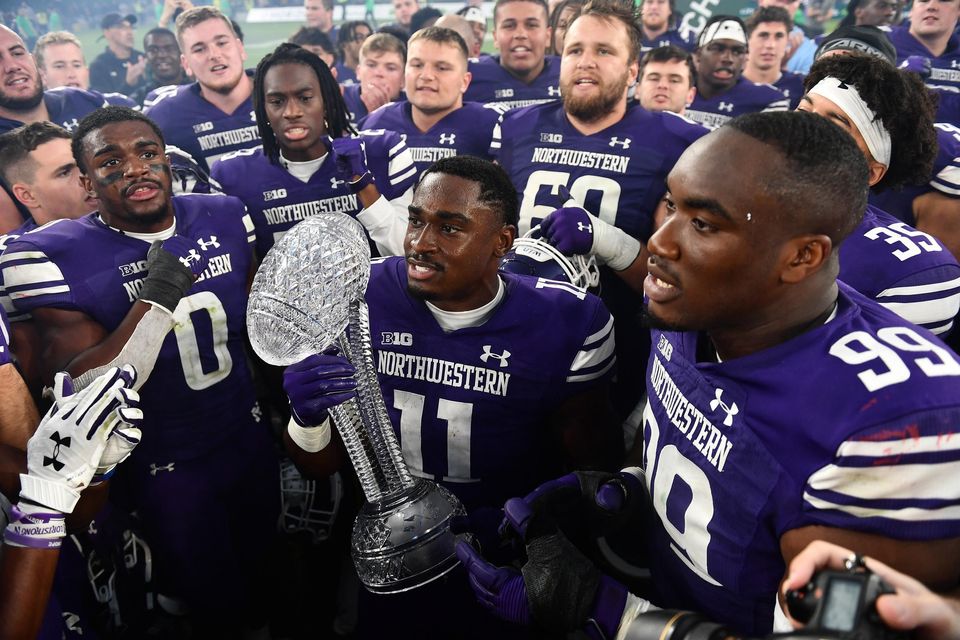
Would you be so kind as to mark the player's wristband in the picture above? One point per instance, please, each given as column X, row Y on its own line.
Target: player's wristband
column 613, row 246
column 34, row 527
column 360, row 183
column 310, row 439
column 54, row 496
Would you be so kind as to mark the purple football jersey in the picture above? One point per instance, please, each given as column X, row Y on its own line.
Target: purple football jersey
column 496, row 87
column 466, row 131
column 743, row 97
column 277, row 200
column 191, row 123
column 120, row 100
column 13, row 314
column 617, row 174
column 66, row 107
column 470, row 407
column 666, row 39
column 944, row 69
column 847, row 425
column 946, row 178
column 906, row 270
column 790, row 85
column 200, row 391
column 355, row 107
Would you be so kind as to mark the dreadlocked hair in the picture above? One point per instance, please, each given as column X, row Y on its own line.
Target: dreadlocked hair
column 335, row 111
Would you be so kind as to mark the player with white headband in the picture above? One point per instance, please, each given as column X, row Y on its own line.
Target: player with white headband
column 722, row 91
column 890, row 115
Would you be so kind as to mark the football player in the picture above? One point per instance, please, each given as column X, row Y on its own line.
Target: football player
column 477, row 405
column 178, row 313
column 746, row 465
column 59, row 58
column 767, row 32
column 668, row 80
column 913, row 274
column 379, row 76
column 306, row 167
column 214, row 115
column 722, row 91
column 522, row 74
column 434, row 121
column 612, row 158
column 658, row 20
column 929, row 44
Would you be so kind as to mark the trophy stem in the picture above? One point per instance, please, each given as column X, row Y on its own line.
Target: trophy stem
column 364, row 423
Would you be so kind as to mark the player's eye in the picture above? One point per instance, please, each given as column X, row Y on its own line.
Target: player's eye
column 701, row 225
column 413, row 221
column 449, row 228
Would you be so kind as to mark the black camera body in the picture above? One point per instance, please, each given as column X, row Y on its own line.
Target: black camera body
column 842, row 604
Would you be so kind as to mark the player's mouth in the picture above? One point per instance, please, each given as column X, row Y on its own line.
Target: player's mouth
column 140, row 191
column 659, row 287
column 724, row 73
column 17, row 81
column 521, row 51
column 420, row 270
column 430, row 89
column 218, row 68
column 294, row 134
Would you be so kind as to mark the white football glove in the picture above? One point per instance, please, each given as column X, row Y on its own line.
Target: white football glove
column 83, row 433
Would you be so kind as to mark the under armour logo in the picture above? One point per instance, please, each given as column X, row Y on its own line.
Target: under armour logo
column 955, row 64
column 625, row 143
column 212, row 242
column 502, row 357
column 70, row 125
column 154, row 468
column 585, row 227
column 58, row 442
column 334, row 183
column 731, row 411
column 553, row 91
column 446, row 138
column 725, row 106
column 192, row 256
column 256, row 412
column 842, row 85
column 253, row 116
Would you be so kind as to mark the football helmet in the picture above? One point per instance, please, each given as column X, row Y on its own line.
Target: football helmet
column 531, row 255
column 308, row 505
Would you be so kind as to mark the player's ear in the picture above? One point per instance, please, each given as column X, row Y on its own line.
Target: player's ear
column 804, row 256
column 186, row 67
column 467, row 77
column 691, row 95
column 505, row 239
column 25, row 195
column 87, row 184
column 633, row 73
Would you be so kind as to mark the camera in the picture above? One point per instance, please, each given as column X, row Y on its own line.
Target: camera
column 842, row 604
column 834, row 604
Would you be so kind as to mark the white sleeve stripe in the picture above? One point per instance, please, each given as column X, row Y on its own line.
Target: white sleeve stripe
column 411, row 172
column 21, row 275
column 923, row 481
column 593, row 357
column 22, row 255
column 397, row 148
column 920, row 288
column 943, row 188
column 32, row 293
column 592, row 376
column 949, row 175
column 907, row 514
column 600, row 334
column 247, row 223
column 925, row 311
column 899, row 446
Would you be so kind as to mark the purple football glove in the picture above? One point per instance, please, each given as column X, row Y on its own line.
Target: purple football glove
column 499, row 589
column 570, row 230
column 317, row 383
column 484, row 523
column 919, row 65
column 351, row 157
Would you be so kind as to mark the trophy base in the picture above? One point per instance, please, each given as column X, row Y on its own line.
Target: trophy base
column 404, row 541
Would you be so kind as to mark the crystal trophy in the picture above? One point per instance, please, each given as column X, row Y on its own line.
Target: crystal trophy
column 306, row 296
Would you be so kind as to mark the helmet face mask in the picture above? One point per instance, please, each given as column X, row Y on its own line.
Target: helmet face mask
column 308, row 505
column 531, row 255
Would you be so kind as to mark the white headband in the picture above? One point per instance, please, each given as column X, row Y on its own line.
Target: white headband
column 847, row 98
column 723, row 30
